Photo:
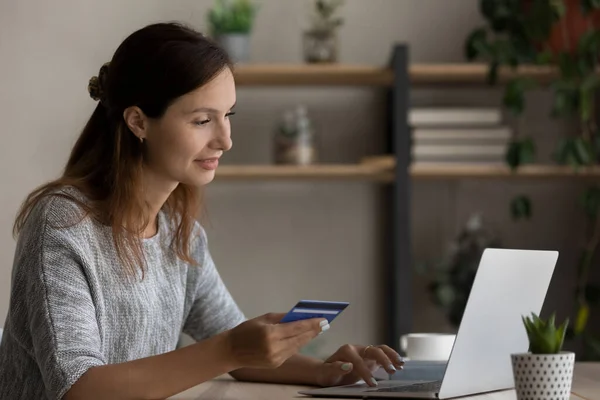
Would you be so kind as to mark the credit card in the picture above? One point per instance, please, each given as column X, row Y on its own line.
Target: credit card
column 306, row 309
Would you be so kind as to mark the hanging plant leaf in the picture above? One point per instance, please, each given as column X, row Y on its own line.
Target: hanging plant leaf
column 514, row 94
column 520, row 152
column 514, row 98
column 586, row 95
column 488, row 9
column 568, row 66
column 540, row 19
column 584, row 151
column 544, row 57
column 520, row 208
column 512, row 154
column 588, row 6
column 497, row 13
column 566, row 98
column 582, row 318
column 477, row 45
column 587, row 49
column 527, row 151
column 575, row 151
column 590, row 201
column 445, row 295
column 558, row 7
column 564, row 151
column 492, row 76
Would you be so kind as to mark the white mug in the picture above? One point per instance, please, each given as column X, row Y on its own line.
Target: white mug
column 427, row 346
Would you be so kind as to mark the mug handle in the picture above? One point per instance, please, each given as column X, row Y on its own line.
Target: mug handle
column 403, row 343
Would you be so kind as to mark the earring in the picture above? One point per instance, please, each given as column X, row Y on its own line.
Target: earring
column 141, row 140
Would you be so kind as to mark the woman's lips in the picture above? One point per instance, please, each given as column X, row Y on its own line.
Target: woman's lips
column 208, row 164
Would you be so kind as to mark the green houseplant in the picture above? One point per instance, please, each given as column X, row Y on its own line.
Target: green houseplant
column 545, row 371
column 321, row 42
column 564, row 36
column 453, row 276
column 231, row 23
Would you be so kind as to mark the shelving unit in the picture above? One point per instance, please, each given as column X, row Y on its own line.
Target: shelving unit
column 310, row 172
column 395, row 170
column 366, row 75
column 419, row 172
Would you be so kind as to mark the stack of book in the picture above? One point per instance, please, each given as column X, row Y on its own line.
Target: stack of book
column 458, row 135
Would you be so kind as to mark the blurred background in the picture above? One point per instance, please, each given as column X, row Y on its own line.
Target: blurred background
column 317, row 230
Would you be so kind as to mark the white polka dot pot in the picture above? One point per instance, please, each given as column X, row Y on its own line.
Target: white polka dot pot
column 543, row 376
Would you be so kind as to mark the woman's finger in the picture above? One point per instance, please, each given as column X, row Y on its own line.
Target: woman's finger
column 377, row 354
column 393, row 356
column 360, row 368
column 291, row 329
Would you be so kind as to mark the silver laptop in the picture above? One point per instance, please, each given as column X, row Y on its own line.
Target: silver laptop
column 508, row 284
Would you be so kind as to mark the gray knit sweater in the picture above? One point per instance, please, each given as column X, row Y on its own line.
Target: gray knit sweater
column 72, row 306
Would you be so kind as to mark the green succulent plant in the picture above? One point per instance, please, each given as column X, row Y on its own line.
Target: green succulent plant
column 231, row 16
column 325, row 18
column 544, row 336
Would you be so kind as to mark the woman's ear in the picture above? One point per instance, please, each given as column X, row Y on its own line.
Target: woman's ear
column 136, row 121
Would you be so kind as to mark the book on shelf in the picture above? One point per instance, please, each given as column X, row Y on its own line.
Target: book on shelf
column 454, row 116
column 459, row 150
column 499, row 134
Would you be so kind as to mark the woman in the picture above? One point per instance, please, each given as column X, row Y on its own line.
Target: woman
column 111, row 264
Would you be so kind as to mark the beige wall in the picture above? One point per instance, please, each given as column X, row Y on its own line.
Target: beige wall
column 274, row 242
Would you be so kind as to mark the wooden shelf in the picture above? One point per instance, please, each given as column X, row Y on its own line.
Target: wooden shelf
column 379, row 173
column 312, row 74
column 443, row 171
column 355, row 172
column 365, row 75
column 472, row 170
column 473, row 73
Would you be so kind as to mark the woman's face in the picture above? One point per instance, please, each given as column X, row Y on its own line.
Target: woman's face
column 185, row 144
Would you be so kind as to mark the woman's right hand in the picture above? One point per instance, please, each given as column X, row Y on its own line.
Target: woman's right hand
column 264, row 343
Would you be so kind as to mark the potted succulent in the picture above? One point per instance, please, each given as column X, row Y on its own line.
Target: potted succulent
column 231, row 23
column 545, row 372
column 321, row 40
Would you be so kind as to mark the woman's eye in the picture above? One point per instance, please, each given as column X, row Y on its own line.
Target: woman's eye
column 229, row 114
column 203, row 122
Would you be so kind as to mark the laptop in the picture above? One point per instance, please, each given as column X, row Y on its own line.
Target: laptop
column 508, row 284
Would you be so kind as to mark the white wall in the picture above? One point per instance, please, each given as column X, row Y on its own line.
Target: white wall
column 279, row 241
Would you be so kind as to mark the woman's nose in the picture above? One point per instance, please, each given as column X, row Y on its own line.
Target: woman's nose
column 223, row 138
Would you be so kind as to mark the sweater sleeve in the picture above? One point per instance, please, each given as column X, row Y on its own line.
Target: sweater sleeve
column 213, row 308
column 56, row 300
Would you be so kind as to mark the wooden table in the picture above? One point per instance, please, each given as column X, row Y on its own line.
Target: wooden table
column 586, row 386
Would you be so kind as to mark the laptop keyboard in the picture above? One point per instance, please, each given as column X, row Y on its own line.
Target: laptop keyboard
column 433, row 386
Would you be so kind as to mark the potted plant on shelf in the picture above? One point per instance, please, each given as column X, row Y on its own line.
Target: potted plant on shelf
column 321, row 42
column 453, row 276
column 563, row 35
column 231, row 23
column 545, row 372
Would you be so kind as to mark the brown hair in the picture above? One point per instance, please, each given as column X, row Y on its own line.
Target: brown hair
column 150, row 69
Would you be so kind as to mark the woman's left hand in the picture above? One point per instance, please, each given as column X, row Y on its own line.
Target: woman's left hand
column 352, row 363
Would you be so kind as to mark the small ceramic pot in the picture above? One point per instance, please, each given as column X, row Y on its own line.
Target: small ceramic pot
column 237, row 46
column 543, row 376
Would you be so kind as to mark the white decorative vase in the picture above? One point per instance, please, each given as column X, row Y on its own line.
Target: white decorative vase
column 237, row 46
column 543, row 376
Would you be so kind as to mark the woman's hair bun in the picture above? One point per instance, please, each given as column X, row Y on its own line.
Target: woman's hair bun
column 97, row 85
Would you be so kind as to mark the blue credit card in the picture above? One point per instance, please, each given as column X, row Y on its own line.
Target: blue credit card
column 306, row 309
